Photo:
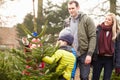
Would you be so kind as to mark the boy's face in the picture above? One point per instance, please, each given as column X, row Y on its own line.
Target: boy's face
column 61, row 43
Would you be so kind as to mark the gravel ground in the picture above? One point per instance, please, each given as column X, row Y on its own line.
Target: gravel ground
column 78, row 73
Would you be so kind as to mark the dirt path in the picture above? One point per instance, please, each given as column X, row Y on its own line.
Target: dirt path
column 78, row 73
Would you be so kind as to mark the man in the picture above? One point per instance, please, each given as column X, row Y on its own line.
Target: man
column 84, row 32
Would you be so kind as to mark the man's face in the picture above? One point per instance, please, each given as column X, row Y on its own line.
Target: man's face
column 73, row 10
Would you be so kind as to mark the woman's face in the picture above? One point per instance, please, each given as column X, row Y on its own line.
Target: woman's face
column 108, row 21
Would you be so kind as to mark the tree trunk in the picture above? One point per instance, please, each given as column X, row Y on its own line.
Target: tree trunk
column 113, row 6
column 40, row 9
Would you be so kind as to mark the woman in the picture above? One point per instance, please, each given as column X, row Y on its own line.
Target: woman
column 106, row 35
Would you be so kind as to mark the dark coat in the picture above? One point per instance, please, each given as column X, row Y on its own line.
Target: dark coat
column 95, row 54
column 117, row 52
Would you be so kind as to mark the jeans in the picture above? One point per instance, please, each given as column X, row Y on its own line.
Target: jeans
column 84, row 68
column 105, row 62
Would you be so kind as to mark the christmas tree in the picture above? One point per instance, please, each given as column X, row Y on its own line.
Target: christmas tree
column 33, row 68
column 16, row 64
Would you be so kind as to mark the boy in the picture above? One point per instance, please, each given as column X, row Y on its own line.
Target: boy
column 63, row 56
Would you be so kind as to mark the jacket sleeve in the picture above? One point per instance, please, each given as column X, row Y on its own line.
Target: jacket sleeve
column 48, row 59
column 91, row 33
column 55, row 57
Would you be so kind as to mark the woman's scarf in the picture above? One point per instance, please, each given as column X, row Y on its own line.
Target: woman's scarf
column 105, row 43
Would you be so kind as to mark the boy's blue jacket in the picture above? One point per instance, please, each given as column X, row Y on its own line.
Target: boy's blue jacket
column 75, row 65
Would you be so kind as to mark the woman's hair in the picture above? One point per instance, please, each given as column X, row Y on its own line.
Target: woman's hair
column 115, row 27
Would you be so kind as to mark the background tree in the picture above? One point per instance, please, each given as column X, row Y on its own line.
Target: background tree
column 40, row 11
column 99, row 10
column 55, row 14
column 54, row 17
column 113, row 6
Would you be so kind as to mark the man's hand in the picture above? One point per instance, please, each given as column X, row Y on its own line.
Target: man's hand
column 88, row 59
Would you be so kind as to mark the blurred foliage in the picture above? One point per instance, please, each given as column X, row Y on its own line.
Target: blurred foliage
column 10, row 67
column 13, row 63
column 115, row 76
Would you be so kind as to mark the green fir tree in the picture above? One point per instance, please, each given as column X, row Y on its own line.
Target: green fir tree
column 33, row 58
